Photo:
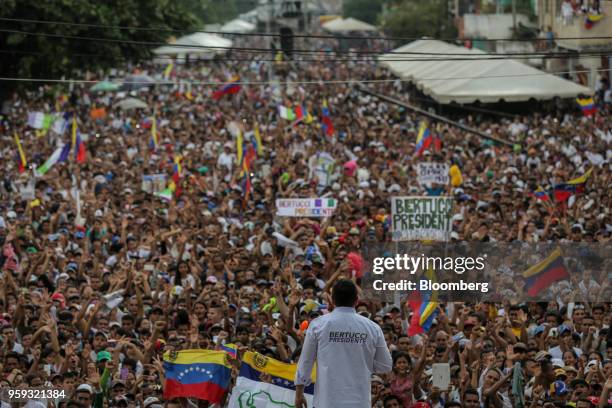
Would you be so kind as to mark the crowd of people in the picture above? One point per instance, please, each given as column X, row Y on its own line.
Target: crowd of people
column 100, row 278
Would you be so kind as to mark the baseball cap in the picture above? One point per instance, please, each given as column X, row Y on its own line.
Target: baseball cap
column 541, row 355
column 570, row 368
column 520, row 346
column 85, row 387
column 560, row 372
column 377, row 379
column 560, row 388
column 103, row 356
column 150, row 401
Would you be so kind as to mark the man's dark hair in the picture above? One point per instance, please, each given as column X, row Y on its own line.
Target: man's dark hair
column 390, row 398
column 344, row 293
column 585, row 400
column 471, row 391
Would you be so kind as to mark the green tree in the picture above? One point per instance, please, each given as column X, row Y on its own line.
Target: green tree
column 364, row 10
column 43, row 51
column 415, row 18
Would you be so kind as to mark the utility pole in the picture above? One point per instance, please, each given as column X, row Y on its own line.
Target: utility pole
column 269, row 31
column 514, row 16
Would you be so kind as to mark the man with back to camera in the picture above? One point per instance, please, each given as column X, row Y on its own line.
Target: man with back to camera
column 348, row 349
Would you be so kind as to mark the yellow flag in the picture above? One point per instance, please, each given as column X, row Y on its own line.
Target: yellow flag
column 22, row 157
column 239, row 146
column 258, row 140
column 74, row 130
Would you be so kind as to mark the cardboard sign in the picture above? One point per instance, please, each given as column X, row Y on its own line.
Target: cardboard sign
column 428, row 173
column 421, row 218
column 153, row 183
column 305, row 207
column 440, row 374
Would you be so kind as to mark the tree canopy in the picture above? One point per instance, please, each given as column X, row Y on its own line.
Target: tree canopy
column 415, row 19
column 364, row 10
column 42, row 50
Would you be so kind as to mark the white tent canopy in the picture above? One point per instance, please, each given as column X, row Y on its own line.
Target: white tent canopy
column 238, row 26
column 339, row 25
column 196, row 44
column 466, row 81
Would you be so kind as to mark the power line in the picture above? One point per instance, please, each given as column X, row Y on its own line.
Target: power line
column 319, row 36
column 270, row 50
column 310, row 82
column 328, row 59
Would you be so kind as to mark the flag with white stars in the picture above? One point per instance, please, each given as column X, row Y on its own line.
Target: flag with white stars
column 201, row 374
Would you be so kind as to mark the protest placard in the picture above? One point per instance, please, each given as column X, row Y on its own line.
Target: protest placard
column 40, row 120
column 428, row 173
column 421, row 218
column 153, row 183
column 305, row 207
column 321, row 166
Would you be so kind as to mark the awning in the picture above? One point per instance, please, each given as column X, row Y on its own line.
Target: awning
column 238, row 26
column 463, row 79
column 196, row 44
column 347, row 24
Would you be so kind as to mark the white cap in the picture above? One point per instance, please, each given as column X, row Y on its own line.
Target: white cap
column 150, row 401
column 394, row 188
column 85, row 387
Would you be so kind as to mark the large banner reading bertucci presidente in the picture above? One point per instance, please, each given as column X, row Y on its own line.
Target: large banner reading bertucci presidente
column 421, row 218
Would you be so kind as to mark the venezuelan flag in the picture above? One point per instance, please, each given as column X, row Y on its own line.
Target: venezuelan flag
column 424, row 305
column 563, row 191
column 581, row 181
column 22, row 162
column 540, row 194
column 230, row 88
column 202, row 374
column 302, row 115
column 591, row 19
column 230, row 348
column 77, row 143
column 256, row 140
column 424, row 139
column 542, row 275
column 278, row 390
column 80, row 152
column 282, row 374
column 328, row 125
column 587, row 105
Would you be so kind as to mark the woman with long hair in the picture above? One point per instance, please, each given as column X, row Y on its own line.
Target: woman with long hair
column 405, row 376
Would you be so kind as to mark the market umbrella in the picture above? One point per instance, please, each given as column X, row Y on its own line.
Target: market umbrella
column 130, row 103
column 104, row 86
column 132, row 82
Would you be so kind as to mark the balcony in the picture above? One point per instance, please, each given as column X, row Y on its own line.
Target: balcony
column 574, row 26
